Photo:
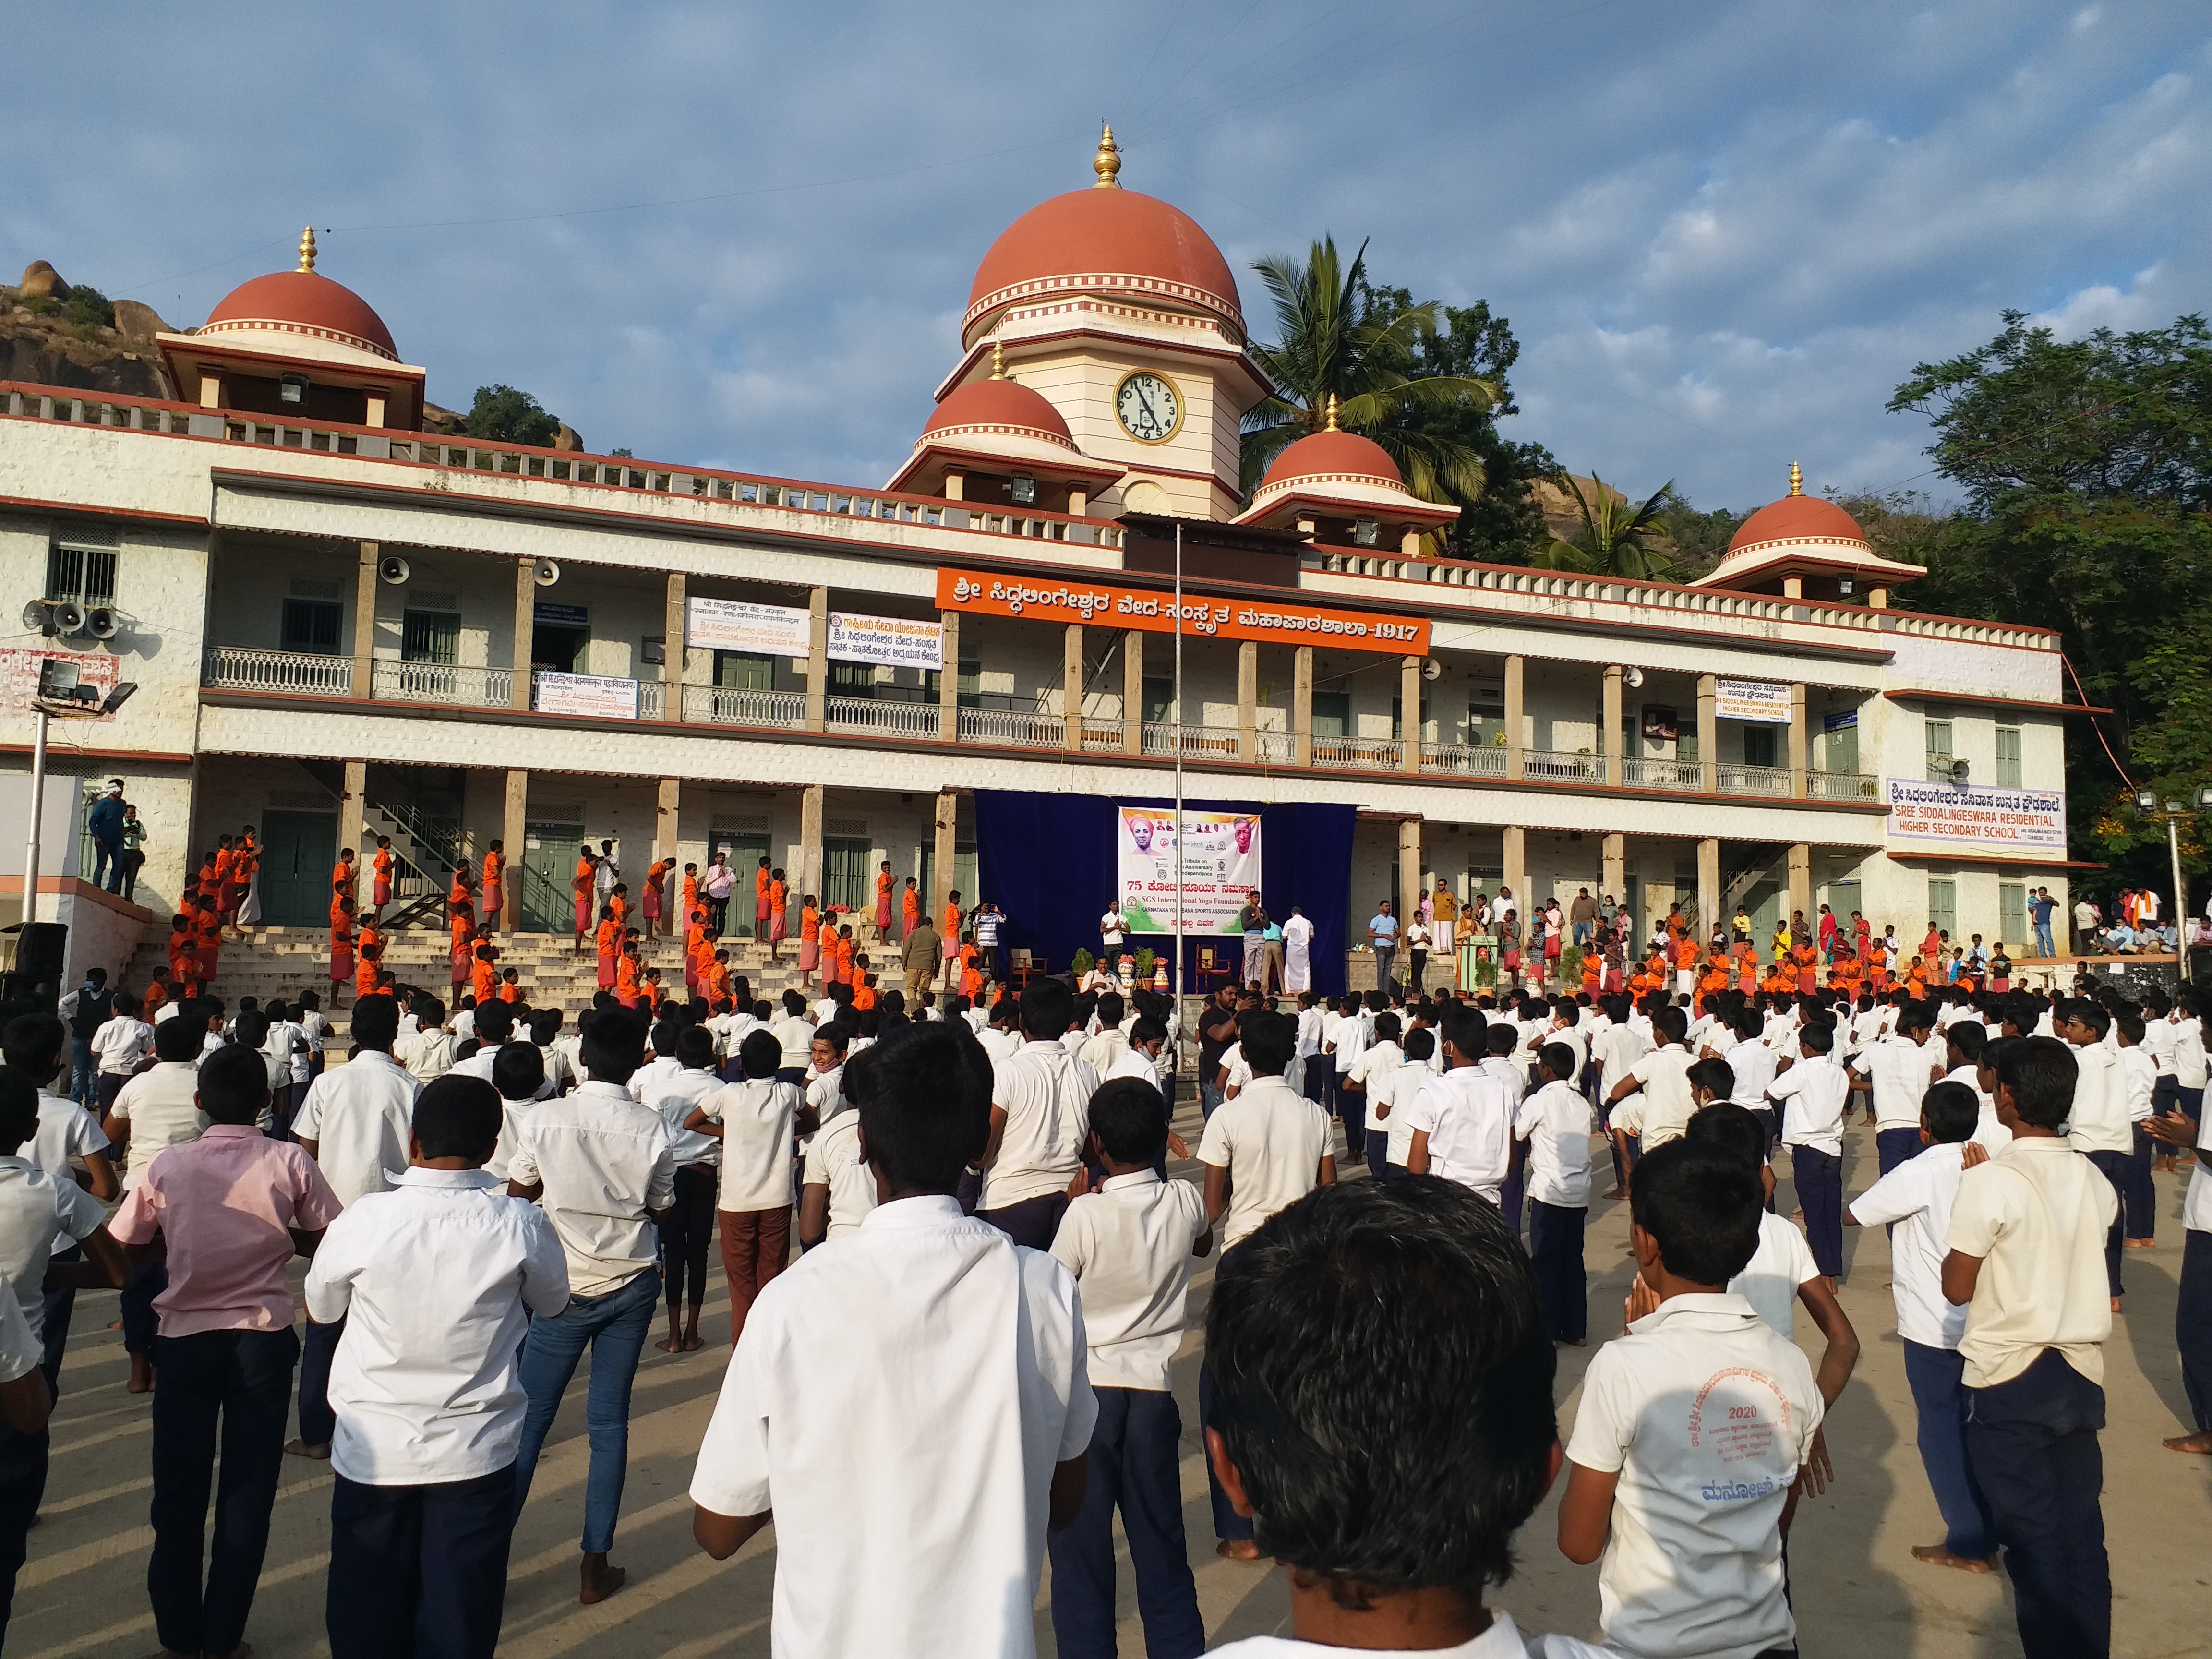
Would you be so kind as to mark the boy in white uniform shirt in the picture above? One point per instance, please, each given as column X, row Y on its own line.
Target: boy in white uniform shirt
column 755, row 1120
column 1462, row 1122
column 1814, row 1095
column 891, row 1541
column 1388, row 1544
column 432, row 1281
column 1662, row 1077
column 1691, row 1525
column 1899, row 1070
column 37, row 1045
column 1369, row 1074
column 122, row 1041
column 1400, row 1089
column 689, row 1225
column 2139, row 1077
column 2024, row 1244
column 1263, row 1151
column 1963, row 1049
column 1915, row 1200
column 1556, row 1122
column 1038, row 1124
column 1130, row 1244
column 2098, row 1126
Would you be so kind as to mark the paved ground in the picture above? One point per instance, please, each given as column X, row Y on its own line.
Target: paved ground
column 1857, row 1590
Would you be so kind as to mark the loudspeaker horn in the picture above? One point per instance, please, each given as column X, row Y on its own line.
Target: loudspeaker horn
column 391, row 568
column 69, row 618
column 547, row 573
column 102, row 623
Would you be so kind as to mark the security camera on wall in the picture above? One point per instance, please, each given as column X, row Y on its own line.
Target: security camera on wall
column 392, row 568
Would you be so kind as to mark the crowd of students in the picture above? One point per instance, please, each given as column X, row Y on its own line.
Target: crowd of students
column 983, row 1213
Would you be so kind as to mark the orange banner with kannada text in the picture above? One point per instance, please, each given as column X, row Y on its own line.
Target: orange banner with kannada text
column 1070, row 599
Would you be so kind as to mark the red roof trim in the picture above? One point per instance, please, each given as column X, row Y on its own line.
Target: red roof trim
column 2026, row 704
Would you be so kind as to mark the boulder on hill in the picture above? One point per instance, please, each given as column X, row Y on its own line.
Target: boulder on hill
column 42, row 281
column 138, row 323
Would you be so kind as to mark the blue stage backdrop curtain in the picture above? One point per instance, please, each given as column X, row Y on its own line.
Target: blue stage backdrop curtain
column 1049, row 862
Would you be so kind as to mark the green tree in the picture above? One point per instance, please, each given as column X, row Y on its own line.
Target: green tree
column 1335, row 339
column 1616, row 538
column 509, row 416
column 2087, row 466
column 1698, row 539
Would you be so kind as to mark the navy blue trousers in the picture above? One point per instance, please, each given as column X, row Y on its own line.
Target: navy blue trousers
column 2115, row 1168
column 1819, row 1178
column 1555, row 1251
column 419, row 1572
column 2192, row 1325
column 2033, row 1445
column 1939, row 1397
column 1136, row 1452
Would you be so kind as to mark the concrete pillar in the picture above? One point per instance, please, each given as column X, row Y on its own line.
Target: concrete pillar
column 1709, row 885
column 1133, row 692
column 1301, row 689
column 1612, row 867
column 353, row 809
column 525, row 625
column 944, row 851
column 1800, row 741
column 948, row 679
column 514, row 837
column 1248, row 701
column 1516, row 718
column 1071, row 689
column 817, row 675
column 664, row 820
column 1410, row 728
column 1709, row 736
column 1409, row 879
column 809, row 837
column 673, row 660
column 1516, row 873
column 1609, row 742
column 364, row 620
column 1801, row 879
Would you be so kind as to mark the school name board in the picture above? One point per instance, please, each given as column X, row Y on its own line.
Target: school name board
column 1764, row 700
column 1216, row 862
column 886, row 641
column 1150, row 612
column 2003, row 817
column 589, row 696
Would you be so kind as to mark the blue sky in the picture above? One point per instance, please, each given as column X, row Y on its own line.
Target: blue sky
column 1723, row 229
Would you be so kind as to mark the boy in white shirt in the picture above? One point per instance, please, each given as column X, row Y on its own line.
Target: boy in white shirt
column 1462, row 1122
column 2026, row 1236
column 1660, row 1076
column 1388, row 1544
column 755, row 1120
column 1814, row 1094
column 118, row 1046
column 889, row 1541
column 1555, row 1123
column 1899, row 1069
column 1915, row 1200
column 1400, row 1088
column 1691, row 1523
column 1963, row 1049
column 2139, row 1080
column 2097, row 1124
column 1369, row 1075
column 1129, row 1244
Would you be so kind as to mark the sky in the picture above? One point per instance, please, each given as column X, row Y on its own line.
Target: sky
column 742, row 236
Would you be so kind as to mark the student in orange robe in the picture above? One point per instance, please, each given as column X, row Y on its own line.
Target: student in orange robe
column 380, row 891
column 714, row 984
column 618, row 901
column 971, row 974
column 864, row 993
column 462, row 950
column 810, row 938
column 484, row 973
column 691, row 894
column 884, row 901
column 608, row 938
column 760, row 901
column 653, row 903
column 1746, row 967
column 695, row 940
column 649, row 989
column 494, row 886
column 205, row 879
column 909, row 907
column 579, row 889
column 207, row 940
column 510, row 985
column 778, row 895
column 1808, row 966
column 365, row 973
column 626, row 977
column 343, row 873
column 949, row 923
column 226, row 861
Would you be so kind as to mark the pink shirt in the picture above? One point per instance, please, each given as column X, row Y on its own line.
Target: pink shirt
column 227, row 1203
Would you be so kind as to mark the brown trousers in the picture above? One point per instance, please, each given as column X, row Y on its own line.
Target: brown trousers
column 754, row 1245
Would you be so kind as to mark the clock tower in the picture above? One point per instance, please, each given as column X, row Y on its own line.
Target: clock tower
column 1122, row 315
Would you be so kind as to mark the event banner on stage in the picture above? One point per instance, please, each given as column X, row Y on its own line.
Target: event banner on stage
column 1220, row 857
column 2004, row 818
column 1148, row 611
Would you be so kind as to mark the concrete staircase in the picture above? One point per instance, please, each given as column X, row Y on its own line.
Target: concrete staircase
column 282, row 962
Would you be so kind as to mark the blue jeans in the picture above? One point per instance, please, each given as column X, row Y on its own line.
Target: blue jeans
column 614, row 1327
column 1581, row 931
column 1135, row 1453
column 2043, row 946
column 108, row 864
column 1384, row 953
column 1940, row 1400
column 84, row 1075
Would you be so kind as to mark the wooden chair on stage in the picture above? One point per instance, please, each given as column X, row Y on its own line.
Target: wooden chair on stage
column 1027, row 966
column 1215, row 963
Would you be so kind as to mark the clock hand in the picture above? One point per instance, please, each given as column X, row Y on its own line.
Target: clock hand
column 1149, row 411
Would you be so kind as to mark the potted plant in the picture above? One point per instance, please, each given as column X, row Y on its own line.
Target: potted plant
column 1146, row 963
column 1485, row 972
column 1570, row 965
column 1081, row 962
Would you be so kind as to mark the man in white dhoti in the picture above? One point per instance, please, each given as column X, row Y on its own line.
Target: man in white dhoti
column 1298, row 952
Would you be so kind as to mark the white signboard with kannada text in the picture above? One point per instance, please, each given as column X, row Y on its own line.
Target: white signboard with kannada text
column 1766, row 701
column 590, row 696
column 1220, row 862
column 2025, row 819
column 763, row 630
column 886, row 641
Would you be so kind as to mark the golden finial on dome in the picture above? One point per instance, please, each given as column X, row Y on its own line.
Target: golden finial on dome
column 1797, row 479
column 307, row 248
column 1331, row 426
column 1107, row 164
column 998, row 360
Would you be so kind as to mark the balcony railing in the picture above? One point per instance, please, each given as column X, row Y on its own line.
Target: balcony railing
column 240, row 668
column 1198, row 742
column 1104, row 737
column 723, row 705
column 1463, row 760
column 1556, row 766
column 441, row 682
column 1770, row 781
column 891, row 719
column 1362, row 754
column 1639, row 773
column 1005, row 728
column 1842, row 785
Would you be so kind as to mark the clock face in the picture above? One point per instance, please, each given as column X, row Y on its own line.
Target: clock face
column 1150, row 408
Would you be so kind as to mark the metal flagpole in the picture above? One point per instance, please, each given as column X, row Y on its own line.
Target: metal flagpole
column 37, row 812
column 1178, row 765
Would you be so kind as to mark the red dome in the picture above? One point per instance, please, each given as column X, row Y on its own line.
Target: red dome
column 1797, row 518
column 1110, row 239
column 1335, row 455
column 301, row 302
column 1004, row 405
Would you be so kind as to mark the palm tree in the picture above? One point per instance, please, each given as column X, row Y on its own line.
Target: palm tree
column 1616, row 539
column 1335, row 342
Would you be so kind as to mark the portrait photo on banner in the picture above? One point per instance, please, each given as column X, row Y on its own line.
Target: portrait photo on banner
column 1220, row 858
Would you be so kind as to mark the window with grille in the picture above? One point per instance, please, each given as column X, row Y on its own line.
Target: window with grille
column 1398, row 715
column 1759, row 745
column 429, row 636
column 2012, row 908
column 845, row 873
column 311, row 625
column 1486, row 725
column 2007, row 758
column 1939, row 750
column 968, row 693
column 852, row 680
column 740, row 671
column 1332, row 714
column 1943, row 905
column 85, row 575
